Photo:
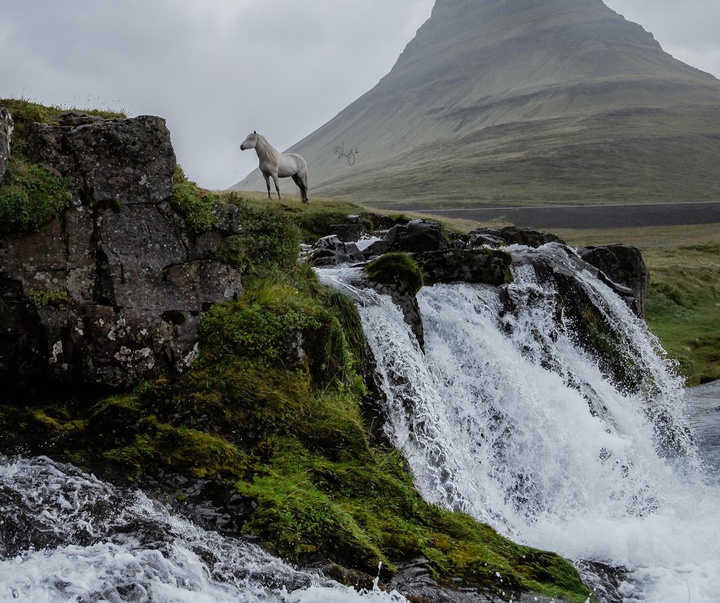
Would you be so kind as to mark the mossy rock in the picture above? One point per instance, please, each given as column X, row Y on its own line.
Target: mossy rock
column 30, row 196
column 396, row 269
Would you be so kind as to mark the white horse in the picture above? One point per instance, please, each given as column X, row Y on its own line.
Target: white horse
column 278, row 165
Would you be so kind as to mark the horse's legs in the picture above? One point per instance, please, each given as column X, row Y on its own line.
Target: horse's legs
column 302, row 186
column 267, row 182
column 277, row 186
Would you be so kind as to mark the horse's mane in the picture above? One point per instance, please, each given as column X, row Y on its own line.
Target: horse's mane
column 272, row 151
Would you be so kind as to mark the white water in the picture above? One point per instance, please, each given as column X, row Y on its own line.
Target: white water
column 67, row 537
column 506, row 417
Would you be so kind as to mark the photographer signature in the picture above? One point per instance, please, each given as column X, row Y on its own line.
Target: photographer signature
column 340, row 152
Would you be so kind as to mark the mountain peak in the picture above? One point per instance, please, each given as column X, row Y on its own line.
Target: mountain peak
column 526, row 101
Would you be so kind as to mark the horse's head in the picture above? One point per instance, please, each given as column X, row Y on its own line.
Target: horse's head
column 250, row 141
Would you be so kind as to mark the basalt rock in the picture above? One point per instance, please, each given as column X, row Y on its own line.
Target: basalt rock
column 509, row 235
column 332, row 251
column 6, row 128
column 467, row 266
column 111, row 292
column 416, row 235
column 623, row 265
column 107, row 161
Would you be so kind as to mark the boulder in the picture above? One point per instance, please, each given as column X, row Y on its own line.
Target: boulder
column 109, row 161
column 623, row 265
column 111, row 292
column 468, row 266
column 332, row 251
column 416, row 235
column 6, row 128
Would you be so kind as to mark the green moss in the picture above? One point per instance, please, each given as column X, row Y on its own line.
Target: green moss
column 189, row 451
column 30, row 196
column 47, row 298
column 395, row 268
column 268, row 244
column 275, row 325
column 193, row 203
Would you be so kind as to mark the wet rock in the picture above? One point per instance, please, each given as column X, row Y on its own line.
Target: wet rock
column 467, row 266
column 332, row 251
column 416, row 583
column 377, row 248
column 623, row 265
column 399, row 276
column 6, row 128
column 605, row 581
column 416, row 235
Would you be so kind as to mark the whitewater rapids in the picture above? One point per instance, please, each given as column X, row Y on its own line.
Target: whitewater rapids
column 507, row 417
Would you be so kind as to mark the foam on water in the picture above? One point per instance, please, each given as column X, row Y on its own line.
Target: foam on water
column 507, row 417
column 67, row 536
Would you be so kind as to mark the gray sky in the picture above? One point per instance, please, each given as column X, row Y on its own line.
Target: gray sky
column 218, row 69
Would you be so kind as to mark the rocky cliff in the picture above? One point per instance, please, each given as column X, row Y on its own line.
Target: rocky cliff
column 111, row 290
column 507, row 101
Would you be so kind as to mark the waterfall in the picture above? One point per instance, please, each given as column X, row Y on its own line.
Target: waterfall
column 67, row 536
column 509, row 415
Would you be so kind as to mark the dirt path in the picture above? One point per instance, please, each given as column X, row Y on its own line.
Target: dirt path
column 591, row 216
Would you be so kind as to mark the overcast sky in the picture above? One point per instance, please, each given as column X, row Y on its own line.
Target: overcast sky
column 218, row 69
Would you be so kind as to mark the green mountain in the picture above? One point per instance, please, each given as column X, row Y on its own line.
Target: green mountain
column 524, row 101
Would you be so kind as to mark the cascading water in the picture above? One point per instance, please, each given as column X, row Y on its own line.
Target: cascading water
column 509, row 416
column 67, row 536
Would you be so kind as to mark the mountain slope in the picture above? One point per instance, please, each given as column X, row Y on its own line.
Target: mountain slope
column 525, row 101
